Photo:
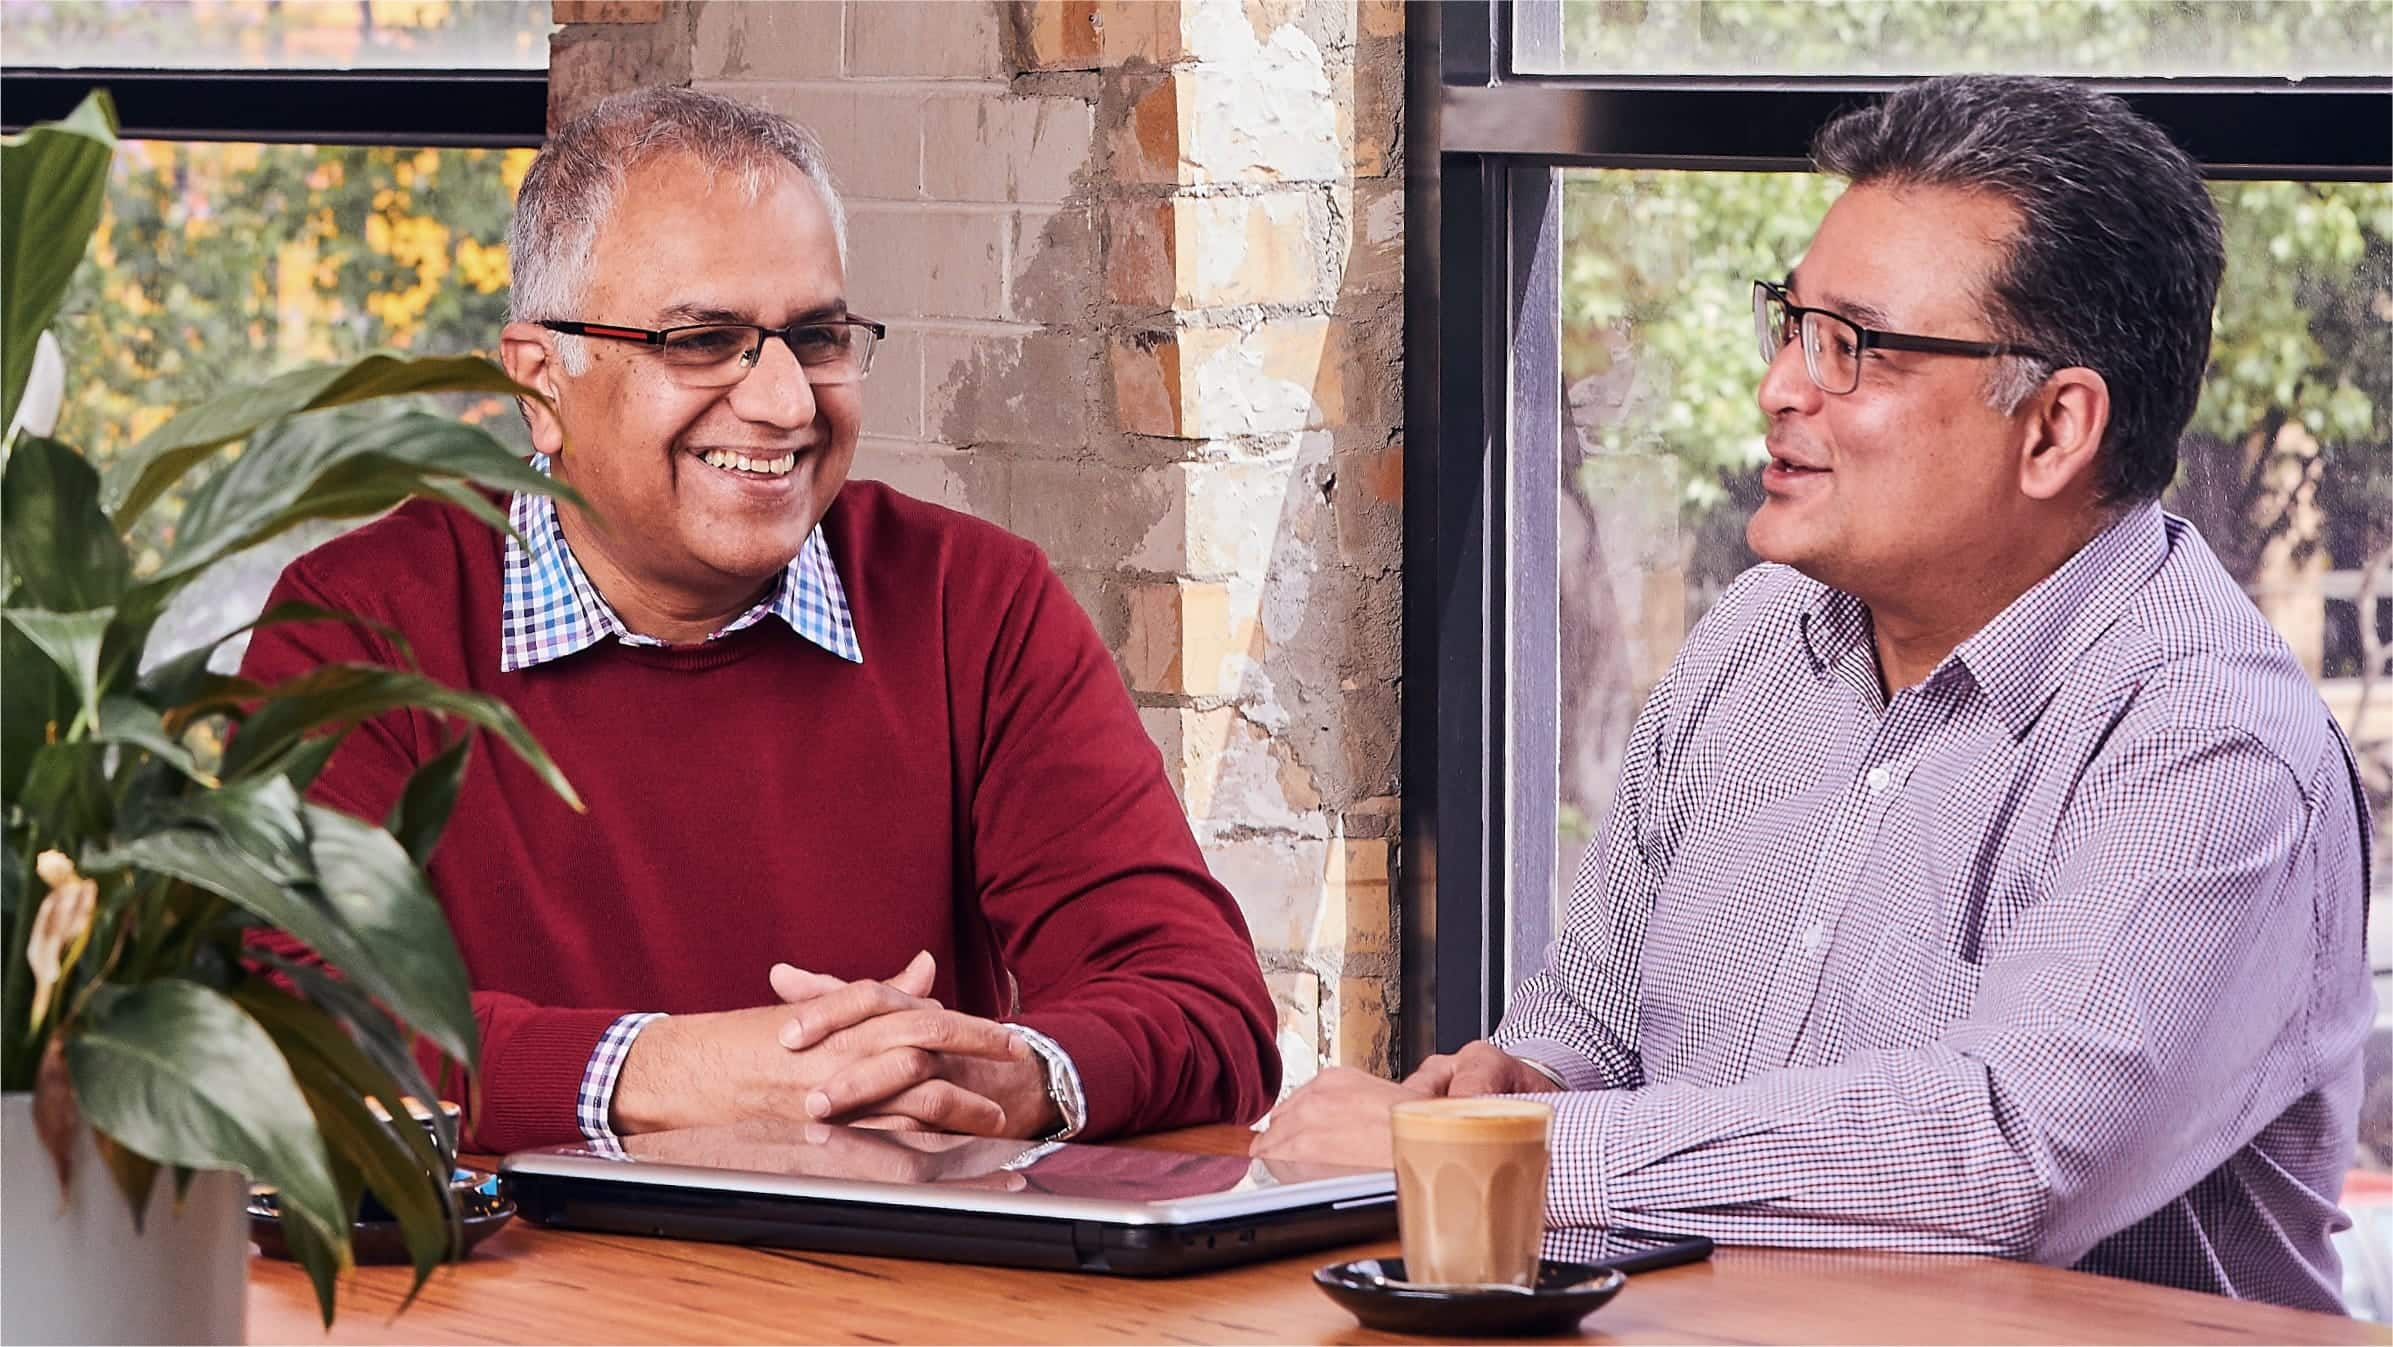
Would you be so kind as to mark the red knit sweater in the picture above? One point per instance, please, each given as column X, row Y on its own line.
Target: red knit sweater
column 979, row 786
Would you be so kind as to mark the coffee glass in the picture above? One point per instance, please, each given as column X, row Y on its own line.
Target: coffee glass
column 1470, row 1189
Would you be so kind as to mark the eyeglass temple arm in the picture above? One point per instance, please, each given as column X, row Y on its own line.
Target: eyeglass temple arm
column 1903, row 341
column 573, row 329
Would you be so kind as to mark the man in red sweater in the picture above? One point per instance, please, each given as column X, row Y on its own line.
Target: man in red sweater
column 824, row 732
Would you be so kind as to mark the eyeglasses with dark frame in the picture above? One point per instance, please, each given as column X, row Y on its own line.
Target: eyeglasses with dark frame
column 1833, row 343
column 717, row 355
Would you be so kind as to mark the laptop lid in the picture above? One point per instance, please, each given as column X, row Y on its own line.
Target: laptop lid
column 822, row 1163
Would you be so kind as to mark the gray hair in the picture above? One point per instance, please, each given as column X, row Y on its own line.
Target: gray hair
column 572, row 186
column 2117, row 259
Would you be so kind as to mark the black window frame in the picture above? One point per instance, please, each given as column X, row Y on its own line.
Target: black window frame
column 1483, row 414
column 442, row 108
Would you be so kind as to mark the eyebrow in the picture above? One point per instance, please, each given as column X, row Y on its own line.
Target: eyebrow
column 707, row 313
column 1858, row 311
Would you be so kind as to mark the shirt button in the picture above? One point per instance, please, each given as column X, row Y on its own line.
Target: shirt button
column 1812, row 936
column 1879, row 779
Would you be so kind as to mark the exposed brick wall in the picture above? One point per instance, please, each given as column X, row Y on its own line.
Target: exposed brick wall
column 1140, row 260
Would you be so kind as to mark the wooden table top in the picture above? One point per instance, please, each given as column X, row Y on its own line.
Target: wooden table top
column 529, row 1284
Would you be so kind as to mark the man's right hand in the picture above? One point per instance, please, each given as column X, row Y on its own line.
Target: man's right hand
column 1480, row 1068
column 696, row 1070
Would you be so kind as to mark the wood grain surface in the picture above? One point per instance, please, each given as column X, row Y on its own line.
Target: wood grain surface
column 528, row 1284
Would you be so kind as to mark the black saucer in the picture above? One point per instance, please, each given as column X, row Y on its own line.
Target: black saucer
column 481, row 1207
column 1374, row 1291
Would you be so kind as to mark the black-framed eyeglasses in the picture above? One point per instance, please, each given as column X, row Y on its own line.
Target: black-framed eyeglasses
column 717, row 355
column 1833, row 343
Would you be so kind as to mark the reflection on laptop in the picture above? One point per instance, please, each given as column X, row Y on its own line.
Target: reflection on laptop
column 970, row 1199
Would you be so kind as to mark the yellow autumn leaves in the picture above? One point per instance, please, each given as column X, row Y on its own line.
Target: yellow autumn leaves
column 221, row 262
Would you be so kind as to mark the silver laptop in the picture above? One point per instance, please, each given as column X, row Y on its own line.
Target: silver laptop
column 802, row 1185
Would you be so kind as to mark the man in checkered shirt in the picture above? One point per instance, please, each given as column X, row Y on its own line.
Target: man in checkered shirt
column 1986, row 875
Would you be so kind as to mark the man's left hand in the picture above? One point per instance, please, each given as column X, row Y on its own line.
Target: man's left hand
column 890, row 1085
column 1340, row 1117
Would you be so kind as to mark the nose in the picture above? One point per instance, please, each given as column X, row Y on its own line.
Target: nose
column 1786, row 385
column 776, row 392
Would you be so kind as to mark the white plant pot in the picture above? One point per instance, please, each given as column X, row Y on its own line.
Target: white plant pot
column 73, row 1269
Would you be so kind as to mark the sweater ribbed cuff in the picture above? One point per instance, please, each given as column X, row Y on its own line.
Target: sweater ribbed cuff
column 532, row 1078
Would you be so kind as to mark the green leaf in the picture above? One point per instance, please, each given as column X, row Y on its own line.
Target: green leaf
column 59, row 543
column 192, row 435
column 177, row 683
column 72, row 641
column 57, row 176
column 307, row 761
column 367, row 911
column 412, row 961
column 37, row 702
column 340, row 695
column 324, row 1260
column 394, row 1157
column 130, row 721
column 333, row 468
column 66, row 793
column 423, row 808
column 260, row 818
column 183, row 1076
column 376, row 1033
column 473, row 502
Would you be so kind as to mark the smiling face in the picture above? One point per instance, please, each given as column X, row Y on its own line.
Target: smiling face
column 688, row 532
column 1911, row 474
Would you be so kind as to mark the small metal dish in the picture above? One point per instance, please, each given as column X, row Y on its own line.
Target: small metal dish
column 482, row 1204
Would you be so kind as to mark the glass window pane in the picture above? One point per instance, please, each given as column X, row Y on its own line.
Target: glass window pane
column 2287, row 469
column 218, row 264
column 1931, row 37
column 280, row 34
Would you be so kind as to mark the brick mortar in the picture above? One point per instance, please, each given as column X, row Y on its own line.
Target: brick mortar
column 878, row 205
column 897, row 84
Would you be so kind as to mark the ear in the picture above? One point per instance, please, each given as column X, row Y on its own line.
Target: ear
column 530, row 359
column 2062, row 432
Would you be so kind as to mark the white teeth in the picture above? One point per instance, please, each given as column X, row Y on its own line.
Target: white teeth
column 761, row 467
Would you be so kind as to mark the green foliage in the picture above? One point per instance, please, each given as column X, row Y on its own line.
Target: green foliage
column 1930, row 37
column 43, row 234
column 219, row 264
column 137, row 873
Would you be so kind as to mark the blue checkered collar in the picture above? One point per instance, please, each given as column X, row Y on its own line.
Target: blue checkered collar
column 548, row 608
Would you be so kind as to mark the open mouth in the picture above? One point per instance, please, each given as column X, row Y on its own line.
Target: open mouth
column 1789, row 468
column 745, row 466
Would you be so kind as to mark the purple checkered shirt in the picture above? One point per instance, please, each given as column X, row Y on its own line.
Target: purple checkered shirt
column 2057, row 955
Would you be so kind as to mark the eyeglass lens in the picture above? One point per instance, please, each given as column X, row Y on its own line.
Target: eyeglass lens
column 1831, row 346
column 829, row 353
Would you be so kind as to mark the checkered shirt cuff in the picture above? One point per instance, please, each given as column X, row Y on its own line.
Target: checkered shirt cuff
column 593, row 1106
column 1063, row 1082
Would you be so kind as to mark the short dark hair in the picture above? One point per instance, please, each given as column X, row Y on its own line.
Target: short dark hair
column 2116, row 263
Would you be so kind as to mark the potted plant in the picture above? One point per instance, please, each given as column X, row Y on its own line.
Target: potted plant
column 140, row 1027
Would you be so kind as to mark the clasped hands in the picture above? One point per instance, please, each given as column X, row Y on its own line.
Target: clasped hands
column 866, row 1052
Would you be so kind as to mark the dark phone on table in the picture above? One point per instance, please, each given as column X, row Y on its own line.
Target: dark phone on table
column 1627, row 1250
